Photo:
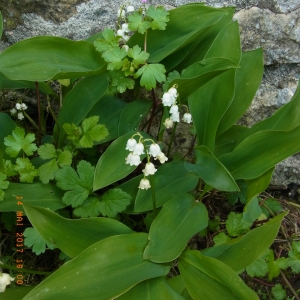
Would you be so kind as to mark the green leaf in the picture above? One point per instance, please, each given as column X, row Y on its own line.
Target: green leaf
column 242, row 251
column 211, row 171
column 37, row 193
column 258, row 268
column 69, row 235
column 252, row 210
column 170, row 180
column 47, row 151
column 26, row 170
column 150, row 74
column 90, row 208
column 3, row 183
column 9, row 168
column 278, row 292
column 246, row 162
column 156, row 288
column 18, row 141
column 273, row 267
column 47, row 57
column 247, row 81
column 111, row 166
column 139, row 57
column 166, row 245
column 136, row 22
column 294, row 257
column 120, row 81
column 47, row 171
column 78, row 186
column 1, row 25
column 115, row 259
column 114, row 58
column 235, row 225
column 113, row 202
column 35, row 240
column 159, row 16
column 171, row 76
column 175, row 37
column 221, row 238
column 109, row 42
column 208, row 278
column 82, row 100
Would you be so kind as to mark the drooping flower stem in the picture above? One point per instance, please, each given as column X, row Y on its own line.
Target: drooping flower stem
column 153, row 195
column 172, row 139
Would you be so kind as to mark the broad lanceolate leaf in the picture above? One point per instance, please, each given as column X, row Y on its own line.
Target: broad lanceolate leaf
column 211, row 171
column 156, row 288
column 151, row 73
column 169, row 180
column 113, row 202
column 72, row 236
column 36, row 241
column 247, row 81
column 18, row 141
column 78, row 186
column 178, row 221
column 209, row 279
column 242, row 251
column 39, row 194
column 115, row 259
column 163, row 43
column 260, row 152
column 47, row 57
column 81, row 99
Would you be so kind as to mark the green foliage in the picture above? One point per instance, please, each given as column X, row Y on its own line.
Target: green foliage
column 35, row 240
column 236, row 226
column 294, row 258
column 18, row 141
column 159, row 16
column 109, row 41
column 278, row 292
column 136, row 22
column 78, row 185
column 3, row 185
column 26, row 170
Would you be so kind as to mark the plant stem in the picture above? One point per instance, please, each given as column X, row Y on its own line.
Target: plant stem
column 153, row 195
column 153, row 111
column 290, row 287
column 4, row 266
column 172, row 139
column 39, row 111
column 145, row 41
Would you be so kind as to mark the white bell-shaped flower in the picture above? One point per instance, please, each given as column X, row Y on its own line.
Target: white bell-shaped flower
column 131, row 143
column 24, row 106
column 5, row 280
column 13, row 111
column 121, row 13
column 138, row 149
column 130, row 8
column 173, row 92
column 144, row 184
column 149, row 169
column 154, row 149
column 168, row 123
column 161, row 157
column 126, row 38
column 121, row 33
column 167, row 99
column 175, row 117
column 133, row 159
column 187, row 118
column 20, row 116
column 174, row 109
column 125, row 27
column 18, row 106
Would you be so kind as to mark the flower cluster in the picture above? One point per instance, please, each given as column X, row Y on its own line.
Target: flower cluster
column 170, row 99
column 138, row 148
column 18, row 110
column 5, row 280
column 124, row 30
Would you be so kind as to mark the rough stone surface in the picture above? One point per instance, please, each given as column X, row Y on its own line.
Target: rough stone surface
column 271, row 24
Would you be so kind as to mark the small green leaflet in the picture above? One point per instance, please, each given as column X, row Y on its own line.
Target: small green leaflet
column 139, row 57
column 221, row 238
column 3, row 185
column 115, row 57
column 278, row 292
column 121, row 82
column 294, row 258
column 36, row 241
column 236, row 226
column 26, row 170
column 89, row 208
column 18, row 141
column 150, row 74
column 109, row 42
column 270, row 204
column 159, row 16
column 258, row 268
column 9, row 168
column 136, row 22
column 113, row 202
column 171, row 76
column 85, row 135
column 59, row 159
column 78, row 186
